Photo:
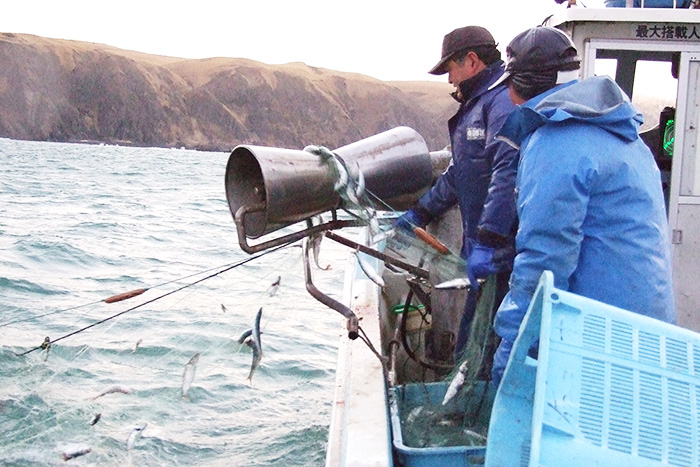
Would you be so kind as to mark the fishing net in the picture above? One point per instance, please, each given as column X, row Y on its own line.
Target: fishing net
column 428, row 419
column 480, row 345
column 426, row 356
column 126, row 390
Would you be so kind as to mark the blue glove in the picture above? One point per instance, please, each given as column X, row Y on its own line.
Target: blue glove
column 500, row 360
column 408, row 221
column 480, row 263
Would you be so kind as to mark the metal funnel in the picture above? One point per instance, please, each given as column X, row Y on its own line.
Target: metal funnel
column 274, row 187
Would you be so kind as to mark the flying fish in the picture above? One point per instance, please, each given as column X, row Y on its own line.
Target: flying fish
column 316, row 249
column 112, row 390
column 256, row 345
column 134, row 436
column 188, row 374
column 459, row 283
column 246, row 337
column 369, row 271
column 272, row 290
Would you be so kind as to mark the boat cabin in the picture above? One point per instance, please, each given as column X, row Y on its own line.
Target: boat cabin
column 656, row 50
column 654, row 55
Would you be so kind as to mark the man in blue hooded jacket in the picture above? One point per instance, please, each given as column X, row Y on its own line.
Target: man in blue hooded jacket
column 590, row 202
column 481, row 175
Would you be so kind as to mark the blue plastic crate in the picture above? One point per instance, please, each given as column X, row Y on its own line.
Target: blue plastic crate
column 609, row 388
column 407, row 397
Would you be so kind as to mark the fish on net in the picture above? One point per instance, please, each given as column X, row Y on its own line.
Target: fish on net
column 50, row 400
column 459, row 415
column 456, row 410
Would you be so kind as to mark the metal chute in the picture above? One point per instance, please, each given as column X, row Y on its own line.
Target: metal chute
column 271, row 188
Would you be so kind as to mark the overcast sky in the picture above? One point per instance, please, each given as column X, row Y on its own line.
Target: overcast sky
column 385, row 39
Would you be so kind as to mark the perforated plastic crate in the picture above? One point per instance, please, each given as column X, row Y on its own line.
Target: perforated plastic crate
column 609, row 388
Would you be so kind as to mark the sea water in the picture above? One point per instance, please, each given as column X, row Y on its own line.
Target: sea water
column 80, row 223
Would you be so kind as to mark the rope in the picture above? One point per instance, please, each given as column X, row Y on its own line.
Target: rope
column 22, row 320
column 364, row 338
column 235, row 265
column 50, row 313
column 381, row 201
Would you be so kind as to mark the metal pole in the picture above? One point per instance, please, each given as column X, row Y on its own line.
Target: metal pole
column 352, row 324
column 415, row 270
column 293, row 237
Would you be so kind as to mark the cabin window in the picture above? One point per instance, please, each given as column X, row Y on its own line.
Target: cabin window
column 649, row 77
column 651, row 84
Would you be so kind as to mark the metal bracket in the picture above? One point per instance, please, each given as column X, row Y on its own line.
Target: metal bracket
column 352, row 324
column 422, row 295
column 239, row 218
column 415, row 270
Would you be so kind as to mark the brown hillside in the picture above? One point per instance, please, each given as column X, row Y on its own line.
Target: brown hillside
column 58, row 90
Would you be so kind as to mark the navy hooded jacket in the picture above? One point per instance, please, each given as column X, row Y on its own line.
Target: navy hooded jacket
column 481, row 175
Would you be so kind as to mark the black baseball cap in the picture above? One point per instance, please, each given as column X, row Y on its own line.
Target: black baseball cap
column 461, row 39
column 541, row 49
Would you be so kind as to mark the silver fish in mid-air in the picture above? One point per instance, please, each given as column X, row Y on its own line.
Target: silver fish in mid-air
column 257, row 346
column 373, row 223
column 245, row 337
column 46, row 345
column 414, row 414
column 459, row 283
column 457, row 383
column 246, row 334
column 113, row 389
column 134, row 436
column 136, row 346
column 272, row 290
column 355, row 189
column 96, row 418
column 369, row 271
column 72, row 452
column 475, row 439
column 316, row 249
column 223, row 308
column 188, row 375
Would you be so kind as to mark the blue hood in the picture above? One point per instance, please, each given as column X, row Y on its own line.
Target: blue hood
column 590, row 206
column 597, row 101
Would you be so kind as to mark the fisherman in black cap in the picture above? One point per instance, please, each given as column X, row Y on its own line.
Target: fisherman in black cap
column 481, row 175
column 590, row 203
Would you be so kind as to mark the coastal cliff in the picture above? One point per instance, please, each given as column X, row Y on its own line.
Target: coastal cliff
column 61, row 90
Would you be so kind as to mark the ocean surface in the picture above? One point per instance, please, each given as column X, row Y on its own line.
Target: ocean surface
column 80, row 223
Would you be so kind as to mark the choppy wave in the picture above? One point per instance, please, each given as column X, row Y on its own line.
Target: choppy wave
column 79, row 223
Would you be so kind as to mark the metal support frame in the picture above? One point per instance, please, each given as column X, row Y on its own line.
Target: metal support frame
column 305, row 234
column 352, row 324
column 289, row 238
column 415, row 270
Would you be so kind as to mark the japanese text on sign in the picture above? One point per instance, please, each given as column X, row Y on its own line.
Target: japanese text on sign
column 655, row 31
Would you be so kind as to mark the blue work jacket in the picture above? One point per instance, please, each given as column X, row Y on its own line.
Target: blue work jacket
column 481, row 175
column 590, row 204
